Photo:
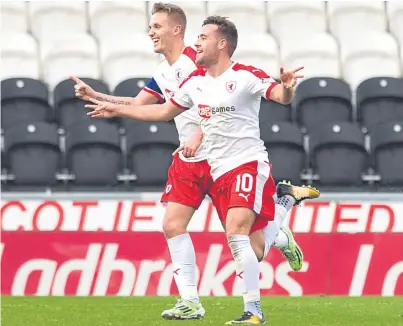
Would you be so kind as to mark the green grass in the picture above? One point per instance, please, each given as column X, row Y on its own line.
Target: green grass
column 122, row 311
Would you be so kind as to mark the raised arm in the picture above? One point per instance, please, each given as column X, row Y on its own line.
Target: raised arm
column 284, row 92
column 154, row 112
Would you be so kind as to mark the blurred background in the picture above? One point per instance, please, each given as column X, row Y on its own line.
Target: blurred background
column 75, row 177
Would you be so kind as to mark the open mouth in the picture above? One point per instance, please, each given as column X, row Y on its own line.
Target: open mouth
column 155, row 40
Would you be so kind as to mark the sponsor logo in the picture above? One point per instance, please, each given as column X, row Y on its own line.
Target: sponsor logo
column 146, row 213
column 245, row 196
column 205, row 111
column 168, row 189
column 98, row 264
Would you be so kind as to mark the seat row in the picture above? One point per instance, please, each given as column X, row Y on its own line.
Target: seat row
column 94, row 154
column 131, row 55
column 317, row 101
column 46, row 19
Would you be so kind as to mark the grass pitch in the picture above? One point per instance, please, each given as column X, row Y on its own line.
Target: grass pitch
column 133, row 311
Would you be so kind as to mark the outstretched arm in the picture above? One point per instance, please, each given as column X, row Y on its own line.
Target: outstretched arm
column 154, row 112
column 85, row 92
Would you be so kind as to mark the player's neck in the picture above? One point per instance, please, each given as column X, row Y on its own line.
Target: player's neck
column 219, row 68
column 173, row 54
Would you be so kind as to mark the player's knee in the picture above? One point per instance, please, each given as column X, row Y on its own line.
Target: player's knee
column 176, row 219
column 172, row 229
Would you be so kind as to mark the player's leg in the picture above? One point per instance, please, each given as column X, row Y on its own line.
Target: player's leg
column 183, row 256
column 247, row 190
column 278, row 235
column 183, row 196
column 239, row 222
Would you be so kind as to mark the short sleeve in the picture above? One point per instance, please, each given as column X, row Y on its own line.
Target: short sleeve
column 182, row 98
column 153, row 88
column 261, row 83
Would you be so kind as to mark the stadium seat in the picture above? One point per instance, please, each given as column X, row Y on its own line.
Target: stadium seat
column 94, row 155
column 248, row 16
column 195, row 15
column 19, row 56
column 318, row 53
column 258, row 50
column 284, row 144
column 51, row 19
column 130, row 57
column 369, row 55
column 337, row 154
column 380, row 100
column 322, row 100
column 72, row 54
column 33, row 153
column 68, row 108
column 387, row 152
column 271, row 112
column 24, row 100
column 14, row 17
column 287, row 19
column 395, row 17
column 112, row 18
column 347, row 18
column 149, row 149
column 130, row 87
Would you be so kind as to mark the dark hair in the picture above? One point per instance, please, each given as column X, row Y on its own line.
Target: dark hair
column 173, row 11
column 227, row 29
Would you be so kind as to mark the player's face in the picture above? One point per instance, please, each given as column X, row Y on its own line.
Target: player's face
column 161, row 31
column 208, row 46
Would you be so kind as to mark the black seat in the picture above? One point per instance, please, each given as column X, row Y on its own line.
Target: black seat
column 284, row 143
column 380, row 100
column 131, row 87
column 68, row 108
column 94, row 155
column 24, row 100
column 338, row 155
column 271, row 112
column 322, row 100
column 32, row 153
column 387, row 152
column 149, row 148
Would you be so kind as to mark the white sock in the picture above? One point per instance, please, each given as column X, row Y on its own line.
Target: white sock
column 247, row 268
column 183, row 258
column 271, row 232
column 281, row 240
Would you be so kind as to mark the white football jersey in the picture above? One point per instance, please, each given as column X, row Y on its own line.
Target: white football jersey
column 229, row 107
column 165, row 83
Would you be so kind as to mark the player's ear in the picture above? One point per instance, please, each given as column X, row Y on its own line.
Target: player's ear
column 222, row 44
column 177, row 29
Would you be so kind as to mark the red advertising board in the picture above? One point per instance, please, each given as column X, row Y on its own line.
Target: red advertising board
column 138, row 263
column 146, row 216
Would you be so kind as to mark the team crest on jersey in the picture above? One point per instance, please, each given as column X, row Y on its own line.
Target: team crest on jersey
column 178, row 74
column 231, row 85
column 204, row 111
column 169, row 93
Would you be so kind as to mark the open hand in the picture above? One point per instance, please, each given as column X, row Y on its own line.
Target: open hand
column 289, row 77
column 101, row 109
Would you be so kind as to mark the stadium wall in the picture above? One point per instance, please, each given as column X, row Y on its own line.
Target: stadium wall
column 111, row 244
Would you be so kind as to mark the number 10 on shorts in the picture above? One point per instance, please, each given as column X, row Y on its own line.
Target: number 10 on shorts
column 244, row 182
